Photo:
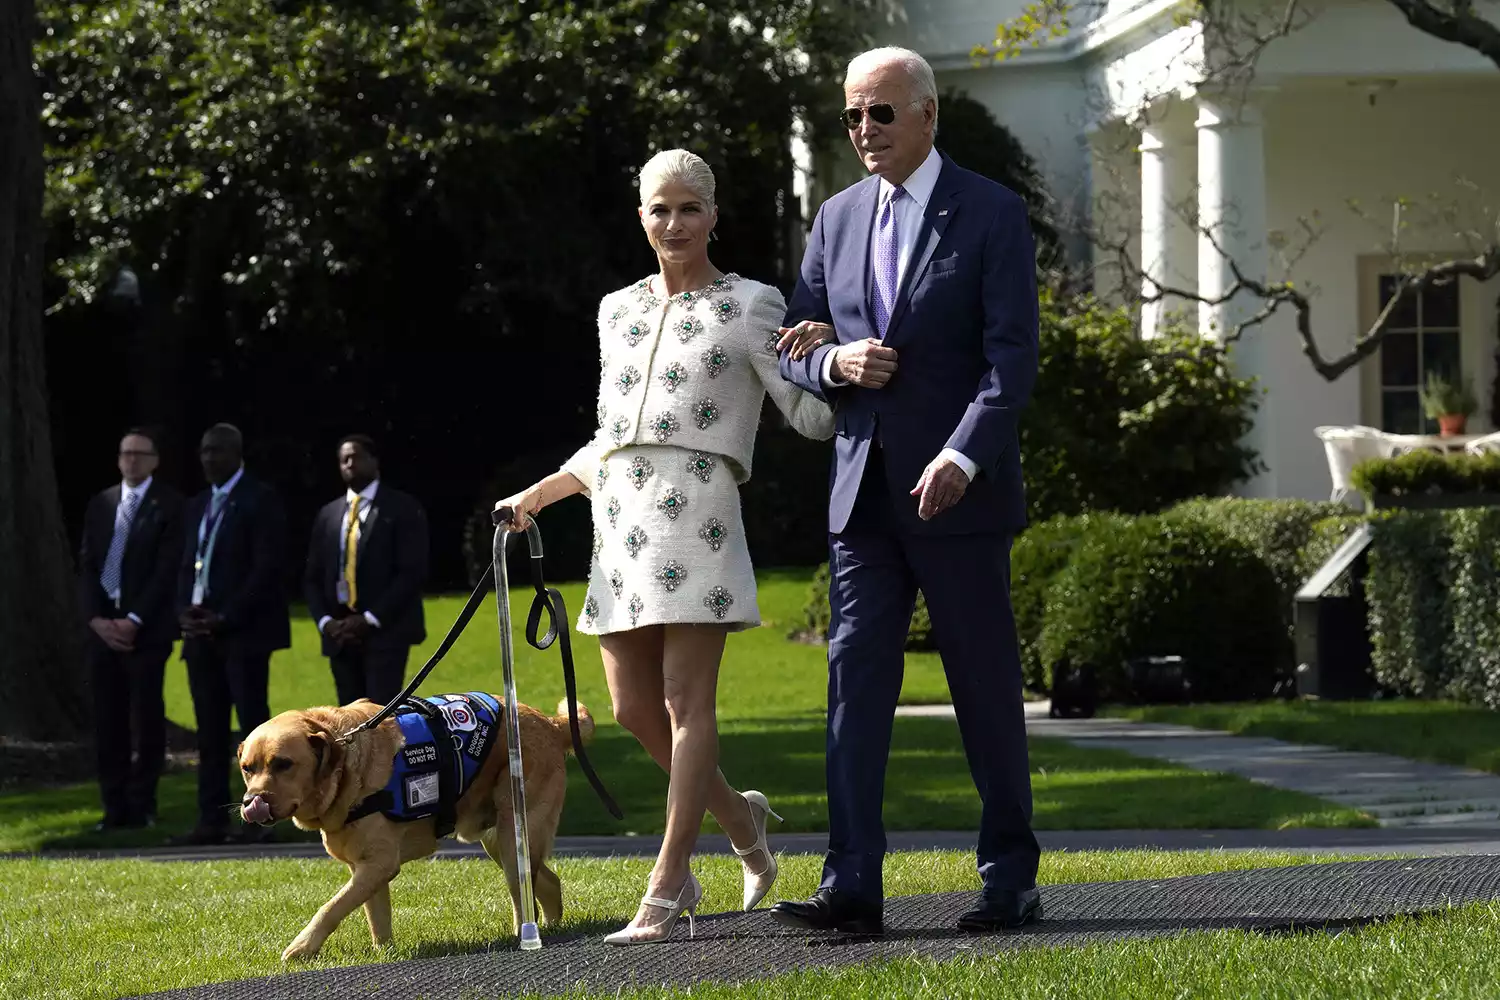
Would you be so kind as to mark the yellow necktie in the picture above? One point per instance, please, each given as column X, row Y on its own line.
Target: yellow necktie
column 349, row 550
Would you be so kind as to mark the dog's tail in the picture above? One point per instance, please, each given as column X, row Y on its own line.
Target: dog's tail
column 585, row 720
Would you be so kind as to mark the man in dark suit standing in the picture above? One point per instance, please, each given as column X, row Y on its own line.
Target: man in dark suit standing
column 233, row 611
column 127, row 575
column 366, row 566
column 920, row 282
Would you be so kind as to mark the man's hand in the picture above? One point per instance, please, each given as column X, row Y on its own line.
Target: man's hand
column 109, row 633
column 803, row 338
column 354, row 629
column 865, row 363
column 942, row 485
column 126, row 631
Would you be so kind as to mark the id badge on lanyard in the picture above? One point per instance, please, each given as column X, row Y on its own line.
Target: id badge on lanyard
column 205, row 552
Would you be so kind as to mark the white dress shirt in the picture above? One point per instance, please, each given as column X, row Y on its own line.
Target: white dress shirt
column 139, row 491
column 909, row 213
column 367, row 499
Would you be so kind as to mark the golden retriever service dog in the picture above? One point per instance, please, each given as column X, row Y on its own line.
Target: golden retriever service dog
column 295, row 767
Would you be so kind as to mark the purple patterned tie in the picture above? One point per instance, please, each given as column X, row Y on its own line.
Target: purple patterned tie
column 886, row 257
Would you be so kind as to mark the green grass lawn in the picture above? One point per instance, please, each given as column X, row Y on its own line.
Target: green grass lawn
column 77, row 930
column 1442, row 732
column 772, row 738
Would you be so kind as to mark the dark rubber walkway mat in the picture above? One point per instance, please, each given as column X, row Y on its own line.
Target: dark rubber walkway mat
column 734, row 947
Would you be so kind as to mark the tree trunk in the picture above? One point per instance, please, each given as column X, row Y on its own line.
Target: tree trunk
column 43, row 684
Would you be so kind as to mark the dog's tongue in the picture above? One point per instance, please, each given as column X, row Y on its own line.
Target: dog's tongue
column 257, row 810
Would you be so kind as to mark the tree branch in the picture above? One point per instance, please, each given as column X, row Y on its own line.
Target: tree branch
column 1462, row 26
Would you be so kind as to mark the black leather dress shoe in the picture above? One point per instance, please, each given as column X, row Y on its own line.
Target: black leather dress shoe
column 832, row 910
column 1003, row 909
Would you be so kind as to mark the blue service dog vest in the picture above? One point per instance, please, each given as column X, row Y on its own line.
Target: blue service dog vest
column 446, row 739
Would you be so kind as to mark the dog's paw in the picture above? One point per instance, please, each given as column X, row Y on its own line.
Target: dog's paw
column 301, row 948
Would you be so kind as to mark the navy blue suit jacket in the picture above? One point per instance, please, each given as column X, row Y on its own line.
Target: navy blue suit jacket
column 964, row 329
column 245, row 576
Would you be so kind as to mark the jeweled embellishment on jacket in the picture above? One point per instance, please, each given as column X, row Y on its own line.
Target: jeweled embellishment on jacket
column 600, row 413
column 635, row 540
column 718, row 601
column 671, row 575
column 701, row 464
column 672, row 503
column 636, row 607
column 598, row 544
column 617, row 315
column 688, row 328
column 640, row 470
column 616, row 583
column 603, row 476
column 726, row 310
column 664, row 426
column 613, row 510
column 629, row 378
column 674, row 376
column 638, row 332
column 770, row 345
column 714, row 533
column 715, row 359
column 705, row 413
column 591, row 609
column 618, row 429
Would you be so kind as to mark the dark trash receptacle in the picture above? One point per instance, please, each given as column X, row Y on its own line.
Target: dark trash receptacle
column 1332, row 631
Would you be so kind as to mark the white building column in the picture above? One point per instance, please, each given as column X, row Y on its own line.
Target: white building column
column 1169, row 248
column 1232, row 209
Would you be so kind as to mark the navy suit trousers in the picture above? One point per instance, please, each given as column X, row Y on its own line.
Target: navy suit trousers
column 876, row 570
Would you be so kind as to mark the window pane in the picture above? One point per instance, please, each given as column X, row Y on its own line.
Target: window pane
column 1440, row 305
column 1405, row 316
column 1400, row 412
column 1440, row 355
column 1398, row 359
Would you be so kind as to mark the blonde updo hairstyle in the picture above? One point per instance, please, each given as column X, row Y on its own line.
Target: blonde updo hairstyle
column 677, row 166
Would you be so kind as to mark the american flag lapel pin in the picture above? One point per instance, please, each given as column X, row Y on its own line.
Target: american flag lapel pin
column 942, row 213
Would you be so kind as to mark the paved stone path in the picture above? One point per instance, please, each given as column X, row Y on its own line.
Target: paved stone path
column 1396, row 791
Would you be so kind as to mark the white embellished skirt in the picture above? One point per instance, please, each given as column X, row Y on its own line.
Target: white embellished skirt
column 669, row 543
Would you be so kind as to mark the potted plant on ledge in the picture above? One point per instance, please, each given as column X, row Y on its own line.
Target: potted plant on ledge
column 1449, row 403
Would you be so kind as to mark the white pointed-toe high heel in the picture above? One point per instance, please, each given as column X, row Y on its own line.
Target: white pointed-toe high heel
column 758, row 883
column 687, row 902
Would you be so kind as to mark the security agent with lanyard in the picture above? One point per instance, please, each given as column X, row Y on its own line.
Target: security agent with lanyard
column 127, row 568
column 233, row 613
column 366, row 566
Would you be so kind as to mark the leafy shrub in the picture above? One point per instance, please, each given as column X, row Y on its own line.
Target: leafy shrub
column 1159, row 585
column 1279, row 532
column 1409, row 611
column 1421, row 472
column 1121, row 423
column 1038, row 555
column 1473, row 648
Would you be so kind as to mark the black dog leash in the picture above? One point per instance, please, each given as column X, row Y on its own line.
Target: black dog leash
column 548, row 599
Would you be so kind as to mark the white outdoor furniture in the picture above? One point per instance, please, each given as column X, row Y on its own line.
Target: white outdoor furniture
column 1406, row 443
column 1346, row 447
column 1484, row 443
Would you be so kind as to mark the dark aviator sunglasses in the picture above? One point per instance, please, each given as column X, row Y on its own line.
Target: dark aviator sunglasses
column 881, row 114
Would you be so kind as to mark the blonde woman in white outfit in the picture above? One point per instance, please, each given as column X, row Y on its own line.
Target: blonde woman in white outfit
column 687, row 357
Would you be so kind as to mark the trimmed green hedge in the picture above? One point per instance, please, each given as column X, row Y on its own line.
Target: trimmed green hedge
column 1163, row 585
column 1434, row 597
column 1286, row 541
column 1039, row 554
column 1407, row 593
column 1474, row 599
column 1292, row 537
column 1428, row 472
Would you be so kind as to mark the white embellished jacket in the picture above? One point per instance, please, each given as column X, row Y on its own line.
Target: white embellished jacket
column 691, row 371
